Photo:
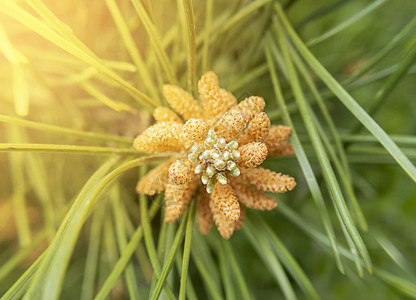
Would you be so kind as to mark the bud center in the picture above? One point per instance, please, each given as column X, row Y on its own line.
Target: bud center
column 214, row 159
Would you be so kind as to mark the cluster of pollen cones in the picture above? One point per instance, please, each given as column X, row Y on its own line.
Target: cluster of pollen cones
column 219, row 144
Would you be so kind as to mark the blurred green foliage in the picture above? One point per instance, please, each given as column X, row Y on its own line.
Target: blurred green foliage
column 77, row 75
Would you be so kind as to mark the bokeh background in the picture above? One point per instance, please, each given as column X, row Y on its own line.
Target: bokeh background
column 78, row 80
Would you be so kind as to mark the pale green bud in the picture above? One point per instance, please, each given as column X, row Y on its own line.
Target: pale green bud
column 221, row 178
column 210, row 186
column 192, row 157
column 196, row 149
column 226, row 155
column 235, row 155
column 210, row 171
column 206, row 155
column 212, row 134
column 221, row 143
column 235, row 172
column 233, row 145
column 209, row 142
column 199, row 168
column 231, row 166
column 205, row 178
column 220, row 164
column 215, row 155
